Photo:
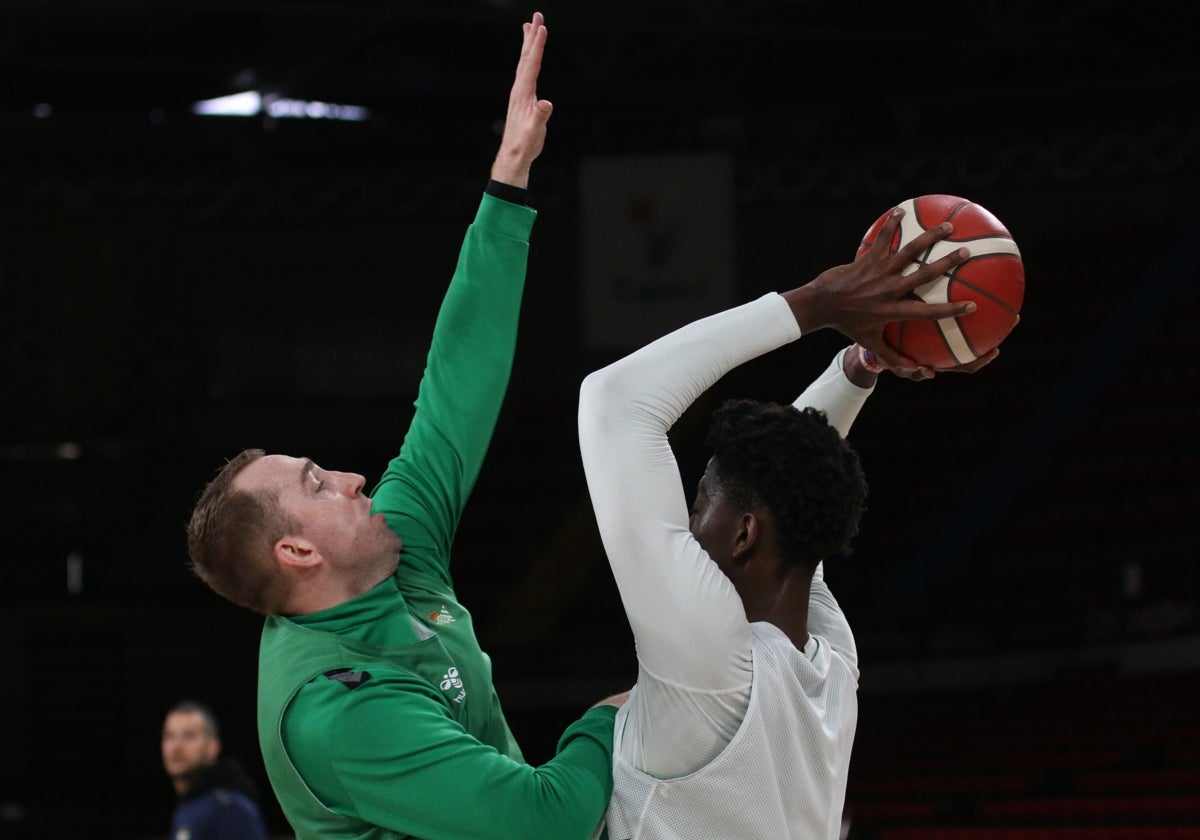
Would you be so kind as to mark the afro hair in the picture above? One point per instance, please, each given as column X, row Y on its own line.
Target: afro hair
column 795, row 464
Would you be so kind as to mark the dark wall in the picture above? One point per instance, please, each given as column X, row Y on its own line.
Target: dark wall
column 173, row 290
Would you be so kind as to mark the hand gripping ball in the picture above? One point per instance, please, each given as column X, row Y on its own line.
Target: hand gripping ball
column 993, row 276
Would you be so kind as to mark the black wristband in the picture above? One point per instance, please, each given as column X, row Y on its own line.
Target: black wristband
column 507, row 192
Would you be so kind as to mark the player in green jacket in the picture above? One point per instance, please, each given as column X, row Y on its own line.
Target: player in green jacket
column 376, row 711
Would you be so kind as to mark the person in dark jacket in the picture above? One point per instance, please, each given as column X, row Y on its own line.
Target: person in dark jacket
column 215, row 797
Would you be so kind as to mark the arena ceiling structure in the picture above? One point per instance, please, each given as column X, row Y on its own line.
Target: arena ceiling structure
column 752, row 74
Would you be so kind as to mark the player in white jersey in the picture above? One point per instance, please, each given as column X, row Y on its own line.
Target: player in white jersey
column 743, row 717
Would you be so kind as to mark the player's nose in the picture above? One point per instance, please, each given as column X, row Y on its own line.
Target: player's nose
column 354, row 483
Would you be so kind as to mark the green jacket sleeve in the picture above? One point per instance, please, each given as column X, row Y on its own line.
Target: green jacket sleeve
column 425, row 487
column 390, row 754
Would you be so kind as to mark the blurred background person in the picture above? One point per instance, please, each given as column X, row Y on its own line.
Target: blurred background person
column 215, row 798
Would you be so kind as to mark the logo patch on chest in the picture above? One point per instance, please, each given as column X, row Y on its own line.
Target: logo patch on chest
column 442, row 616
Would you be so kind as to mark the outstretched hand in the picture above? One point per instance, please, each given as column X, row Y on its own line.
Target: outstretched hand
column 860, row 298
column 525, row 123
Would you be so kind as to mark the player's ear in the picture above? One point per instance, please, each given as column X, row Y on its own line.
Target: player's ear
column 296, row 552
column 745, row 537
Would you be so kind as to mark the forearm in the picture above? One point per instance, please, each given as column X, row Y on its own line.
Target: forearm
column 836, row 393
column 474, row 338
column 479, row 795
column 466, row 375
column 390, row 755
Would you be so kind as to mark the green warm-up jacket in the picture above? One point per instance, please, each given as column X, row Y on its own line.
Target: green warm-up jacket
column 377, row 718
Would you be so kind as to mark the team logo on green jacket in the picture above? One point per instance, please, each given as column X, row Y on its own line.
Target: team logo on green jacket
column 451, row 681
column 442, row 616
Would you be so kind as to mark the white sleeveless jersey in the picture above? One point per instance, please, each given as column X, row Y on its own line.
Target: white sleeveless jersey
column 782, row 776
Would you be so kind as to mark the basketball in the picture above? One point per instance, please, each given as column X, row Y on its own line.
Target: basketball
column 993, row 276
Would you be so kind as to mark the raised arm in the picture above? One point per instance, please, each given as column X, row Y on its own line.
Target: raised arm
column 425, row 488
column 840, row 392
column 687, row 619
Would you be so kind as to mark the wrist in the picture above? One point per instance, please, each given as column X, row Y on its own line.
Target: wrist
column 805, row 303
column 511, row 168
column 868, row 360
column 857, row 373
column 507, row 192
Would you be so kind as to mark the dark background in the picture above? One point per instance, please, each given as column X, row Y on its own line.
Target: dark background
column 175, row 288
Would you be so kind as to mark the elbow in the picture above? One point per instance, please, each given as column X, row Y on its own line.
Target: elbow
column 619, row 407
column 597, row 420
column 597, row 393
column 594, row 383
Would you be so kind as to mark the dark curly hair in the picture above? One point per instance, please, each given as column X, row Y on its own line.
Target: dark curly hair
column 795, row 464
